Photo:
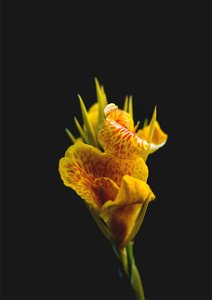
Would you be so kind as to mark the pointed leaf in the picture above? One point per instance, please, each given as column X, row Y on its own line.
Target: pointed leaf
column 101, row 101
column 130, row 109
column 145, row 122
column 89, row 129
column 104, row 96
column 151, row 132
column 152, row 125
column 139, row 221
column 81, row 131
column 102, row 226
column 72, row 138
column 126, row 104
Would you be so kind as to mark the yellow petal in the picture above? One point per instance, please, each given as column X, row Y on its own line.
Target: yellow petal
column 85, row 168
column 121, row 214
column 159, row 137
column 119, row 116
column 94, row 108
column 117, row 135
column 120, row 142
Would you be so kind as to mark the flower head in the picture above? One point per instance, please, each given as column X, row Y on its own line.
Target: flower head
column 110, row 173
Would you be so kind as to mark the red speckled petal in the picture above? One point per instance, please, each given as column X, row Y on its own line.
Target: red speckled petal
column 84, row 167
column 121, row 117
column 119, row 141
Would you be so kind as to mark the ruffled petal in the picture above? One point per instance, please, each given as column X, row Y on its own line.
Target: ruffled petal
column 117, row 135
column 119, row 141
column 84, row 168
column 121, row 214
column 121, row 117
column 75, row 176
column 159, row 137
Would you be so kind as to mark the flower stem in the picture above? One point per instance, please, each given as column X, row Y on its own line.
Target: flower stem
column 129, row 266
column 137, row 284
column 135, row 278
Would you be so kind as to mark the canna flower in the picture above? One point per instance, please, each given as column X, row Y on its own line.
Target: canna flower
column 106, row 166
column 113, row 182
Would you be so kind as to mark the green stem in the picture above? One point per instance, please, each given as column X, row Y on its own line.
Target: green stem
column 137, row 284
column 127, row 259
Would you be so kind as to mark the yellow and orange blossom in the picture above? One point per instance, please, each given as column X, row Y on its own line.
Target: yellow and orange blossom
column 107, row 168
column 113, row 182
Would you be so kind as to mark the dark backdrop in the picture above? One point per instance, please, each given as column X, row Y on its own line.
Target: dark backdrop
column 160, row 53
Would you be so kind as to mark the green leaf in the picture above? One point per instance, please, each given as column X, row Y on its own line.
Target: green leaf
column 145, row 122
column 89, row 129
column 151, row 132
column 102, row 226
column 134, row 275
column 126, row 104
column 136, row 126
column 152, row 125
column 130, row 255
column 130, row 109
column 104, row 96
column 72, row 138
column 139, row 220
column 81, row 131
column 136, row 283
column 102, row 101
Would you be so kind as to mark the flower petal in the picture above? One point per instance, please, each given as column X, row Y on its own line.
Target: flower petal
column 159, row 137
column 121, row 214
column 117, row 135
column 84, row 168
column 105, row 189
column 121, row 117
column 121, row 142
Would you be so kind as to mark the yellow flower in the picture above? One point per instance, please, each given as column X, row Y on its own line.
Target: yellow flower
column 106, row 166
column 113, row 182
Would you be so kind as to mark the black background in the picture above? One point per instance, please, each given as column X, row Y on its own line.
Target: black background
column 160, row 53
